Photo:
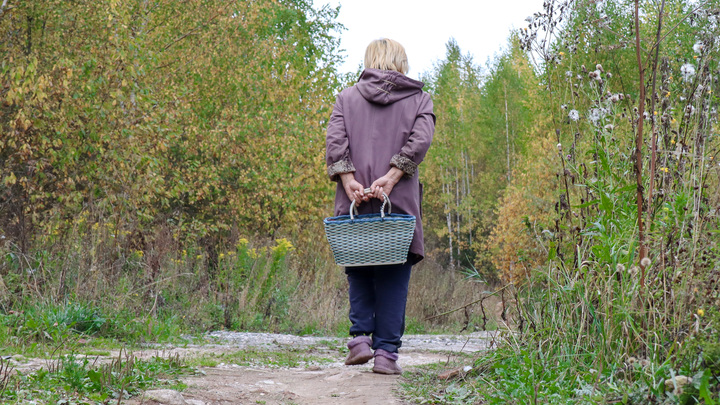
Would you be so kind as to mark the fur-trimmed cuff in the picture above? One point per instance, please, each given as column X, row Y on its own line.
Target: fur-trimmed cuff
column 338, row 168
column 404, row 164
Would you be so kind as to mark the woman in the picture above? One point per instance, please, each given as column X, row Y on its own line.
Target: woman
column 379, row 132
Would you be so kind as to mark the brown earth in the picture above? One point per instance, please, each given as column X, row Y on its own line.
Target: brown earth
column 312, row 383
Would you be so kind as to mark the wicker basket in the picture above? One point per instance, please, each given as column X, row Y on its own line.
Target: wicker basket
column 370, row 239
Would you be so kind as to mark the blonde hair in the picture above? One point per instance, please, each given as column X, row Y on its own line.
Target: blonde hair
column 386, row 54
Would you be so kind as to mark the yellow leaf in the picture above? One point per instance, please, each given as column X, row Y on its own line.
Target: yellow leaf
column 10, row 180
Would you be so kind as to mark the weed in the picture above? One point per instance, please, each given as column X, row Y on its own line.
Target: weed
column 289, row 357
column 423, row 386
column 6, row 370
column 85, row 379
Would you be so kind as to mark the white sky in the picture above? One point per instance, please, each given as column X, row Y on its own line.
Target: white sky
column 423, row 27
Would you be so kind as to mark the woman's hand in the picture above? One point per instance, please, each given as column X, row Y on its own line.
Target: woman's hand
column 354, row 190
column 386, row 183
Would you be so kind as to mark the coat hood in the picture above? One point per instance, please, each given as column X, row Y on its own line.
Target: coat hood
column 386, row 86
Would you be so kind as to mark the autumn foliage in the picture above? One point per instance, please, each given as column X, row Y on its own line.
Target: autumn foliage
column 198, row 116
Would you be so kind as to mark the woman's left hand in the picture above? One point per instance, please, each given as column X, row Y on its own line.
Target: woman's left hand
column 386, row 183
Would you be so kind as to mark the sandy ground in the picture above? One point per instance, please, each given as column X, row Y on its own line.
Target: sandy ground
column 321, row 378
column 321, row 383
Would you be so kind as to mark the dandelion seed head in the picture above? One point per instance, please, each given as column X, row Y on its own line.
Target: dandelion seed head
column 645, row 262
column 595, row 115
column 574, row 115
column 698, row 91
column 688, row 71
column 689, row 110
column 698, row 47
column 620, row 267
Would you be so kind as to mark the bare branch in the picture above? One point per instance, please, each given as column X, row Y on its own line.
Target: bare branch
column 680, row 22
column 180, row 38
column 486, row 294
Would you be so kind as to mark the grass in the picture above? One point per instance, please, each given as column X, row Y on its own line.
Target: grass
column 70, row 378
column 74, row 341
column 43, row 329
column 522, row 375
column 570, row 347
column 288, row 357
column 422, row 386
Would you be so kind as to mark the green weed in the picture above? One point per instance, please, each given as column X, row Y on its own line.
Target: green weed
column 291, row 357
column 82, row 379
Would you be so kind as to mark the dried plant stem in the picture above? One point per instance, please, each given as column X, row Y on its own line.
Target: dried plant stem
column 638, row 146
column 652, row 109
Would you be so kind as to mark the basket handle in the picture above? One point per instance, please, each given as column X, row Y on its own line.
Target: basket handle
column 386, row 200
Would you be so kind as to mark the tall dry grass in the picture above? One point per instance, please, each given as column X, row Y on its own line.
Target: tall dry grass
column 240, row 283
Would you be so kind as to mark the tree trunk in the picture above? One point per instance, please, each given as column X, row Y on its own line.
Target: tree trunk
column 28, row 45
column 457, row 212
column 507, row 134
column 446, row 189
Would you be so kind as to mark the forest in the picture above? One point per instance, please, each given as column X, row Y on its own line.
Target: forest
column 162, row 172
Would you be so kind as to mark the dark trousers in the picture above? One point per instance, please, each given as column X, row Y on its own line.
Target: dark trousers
column 378, row 295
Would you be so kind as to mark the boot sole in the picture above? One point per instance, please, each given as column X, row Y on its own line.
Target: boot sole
column 386, row 372
column 358, row 360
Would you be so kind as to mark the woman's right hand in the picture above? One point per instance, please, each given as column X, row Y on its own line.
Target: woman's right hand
column 354, row 190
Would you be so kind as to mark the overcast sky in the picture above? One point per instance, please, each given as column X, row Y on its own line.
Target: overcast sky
column 423, row 27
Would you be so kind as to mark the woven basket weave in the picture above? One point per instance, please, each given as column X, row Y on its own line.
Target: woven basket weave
column 370, row 239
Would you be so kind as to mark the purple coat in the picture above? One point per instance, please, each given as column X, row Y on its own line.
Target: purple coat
column 384, row 120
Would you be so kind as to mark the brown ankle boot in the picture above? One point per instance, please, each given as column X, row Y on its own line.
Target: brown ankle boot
column 360, row 352
column 386, row 363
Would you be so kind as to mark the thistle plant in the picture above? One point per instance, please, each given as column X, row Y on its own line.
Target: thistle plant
column 633, row 246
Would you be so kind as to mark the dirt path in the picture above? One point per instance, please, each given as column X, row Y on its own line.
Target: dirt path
column 301, row 370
